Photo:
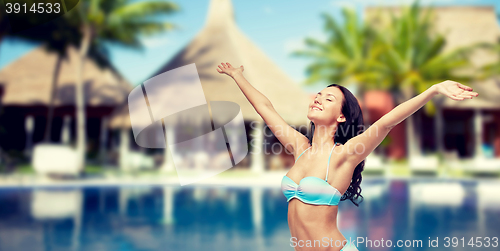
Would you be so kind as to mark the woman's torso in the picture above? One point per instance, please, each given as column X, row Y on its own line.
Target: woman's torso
column 317, row 223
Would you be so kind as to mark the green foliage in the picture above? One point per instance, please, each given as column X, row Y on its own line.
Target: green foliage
column 348, row 55
column 492, row 69
column 404, row 55
column 121, row 22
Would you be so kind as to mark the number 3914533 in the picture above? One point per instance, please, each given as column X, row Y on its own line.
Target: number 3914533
column 34, row 8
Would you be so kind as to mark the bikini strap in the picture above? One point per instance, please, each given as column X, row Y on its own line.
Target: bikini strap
column 328, row 164
column 301, row 154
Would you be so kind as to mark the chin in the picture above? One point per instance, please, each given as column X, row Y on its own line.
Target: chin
column 312, row 118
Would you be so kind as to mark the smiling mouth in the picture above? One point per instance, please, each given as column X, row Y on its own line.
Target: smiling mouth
column 316, row 108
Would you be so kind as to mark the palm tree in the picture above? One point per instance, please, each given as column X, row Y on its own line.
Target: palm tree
column 348, row 56
column 56, row 36
column 404, row 56
column 120, row 22
column 491, row 69
column 414, row 59
column 4, row 23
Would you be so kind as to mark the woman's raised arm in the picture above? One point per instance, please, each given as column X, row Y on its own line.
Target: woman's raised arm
column 359, row 147
column 288, row 136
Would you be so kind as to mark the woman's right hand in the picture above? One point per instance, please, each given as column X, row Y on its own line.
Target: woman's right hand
column 227, row 68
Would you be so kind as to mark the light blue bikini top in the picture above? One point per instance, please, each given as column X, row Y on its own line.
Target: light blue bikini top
column 311, row 190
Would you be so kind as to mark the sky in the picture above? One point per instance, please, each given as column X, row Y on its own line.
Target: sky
column 277, row 27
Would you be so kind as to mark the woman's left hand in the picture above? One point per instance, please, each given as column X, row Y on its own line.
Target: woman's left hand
column 455, row 90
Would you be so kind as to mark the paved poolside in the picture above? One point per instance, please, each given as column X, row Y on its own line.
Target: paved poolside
column 232, row 178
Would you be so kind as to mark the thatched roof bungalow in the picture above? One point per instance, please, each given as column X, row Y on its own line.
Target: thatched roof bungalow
column 466, row 128
column 27, row 86
column 220, row 40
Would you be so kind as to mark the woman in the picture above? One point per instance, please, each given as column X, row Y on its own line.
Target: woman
column 329, row 162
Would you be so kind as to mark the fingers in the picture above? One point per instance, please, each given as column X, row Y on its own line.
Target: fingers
column 454, row 95
column 223, row 66
column 226, row 65
column 464, row 87
column 469, row 95
column 464, row 96
column 456, row 98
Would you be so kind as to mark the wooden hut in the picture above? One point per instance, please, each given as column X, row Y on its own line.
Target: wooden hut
column 465, row 128
column 27, row 84
column 221, row 40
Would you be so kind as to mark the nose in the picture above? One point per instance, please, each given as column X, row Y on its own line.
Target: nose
column 316, row 101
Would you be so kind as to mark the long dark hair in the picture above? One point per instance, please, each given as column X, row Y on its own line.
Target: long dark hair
column 353, row 126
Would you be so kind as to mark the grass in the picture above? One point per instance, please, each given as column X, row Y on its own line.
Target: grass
column 93, row 169
column 399, row 168
column 25, row 169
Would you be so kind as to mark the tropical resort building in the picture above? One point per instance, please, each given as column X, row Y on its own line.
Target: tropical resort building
column 27, row 85
column 460, row 130
column 220, row 40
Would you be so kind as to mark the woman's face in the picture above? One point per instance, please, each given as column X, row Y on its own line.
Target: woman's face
column 326, row 108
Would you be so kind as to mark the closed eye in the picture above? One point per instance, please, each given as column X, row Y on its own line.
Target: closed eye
column 329, row 99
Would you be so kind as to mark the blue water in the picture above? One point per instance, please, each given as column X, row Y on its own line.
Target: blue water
column 219, row 218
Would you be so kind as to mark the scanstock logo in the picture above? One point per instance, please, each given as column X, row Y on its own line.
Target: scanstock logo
column 170, row 109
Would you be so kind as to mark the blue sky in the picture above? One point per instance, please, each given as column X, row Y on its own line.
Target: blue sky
column 278, row 27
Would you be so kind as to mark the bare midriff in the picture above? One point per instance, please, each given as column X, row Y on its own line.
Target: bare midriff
column 314, row 224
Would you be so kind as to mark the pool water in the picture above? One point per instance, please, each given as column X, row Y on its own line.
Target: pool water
column 229, row 218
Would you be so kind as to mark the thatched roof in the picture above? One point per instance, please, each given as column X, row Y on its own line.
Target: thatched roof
column 28, row 81
column 463, row 26
column 222, row 41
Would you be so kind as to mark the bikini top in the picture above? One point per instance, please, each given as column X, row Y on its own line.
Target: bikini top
column 311, row 190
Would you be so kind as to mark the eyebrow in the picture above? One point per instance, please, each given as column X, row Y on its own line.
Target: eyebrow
column 328, row 94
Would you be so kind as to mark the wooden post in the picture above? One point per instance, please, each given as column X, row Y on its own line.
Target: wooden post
column 103, row 137
column 168, row 163
column 29, row 125
column 257, row 164
column 478, row 134
column 124, row 148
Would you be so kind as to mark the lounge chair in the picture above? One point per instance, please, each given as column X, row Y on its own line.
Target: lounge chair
column 55, row 159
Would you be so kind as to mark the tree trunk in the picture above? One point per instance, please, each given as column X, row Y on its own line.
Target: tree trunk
column 50, row 113
column 80, row 97
column 413, row 145
column 413, row 138
column 439, row 125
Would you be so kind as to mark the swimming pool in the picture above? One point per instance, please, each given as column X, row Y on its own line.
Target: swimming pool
column 221, row 218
